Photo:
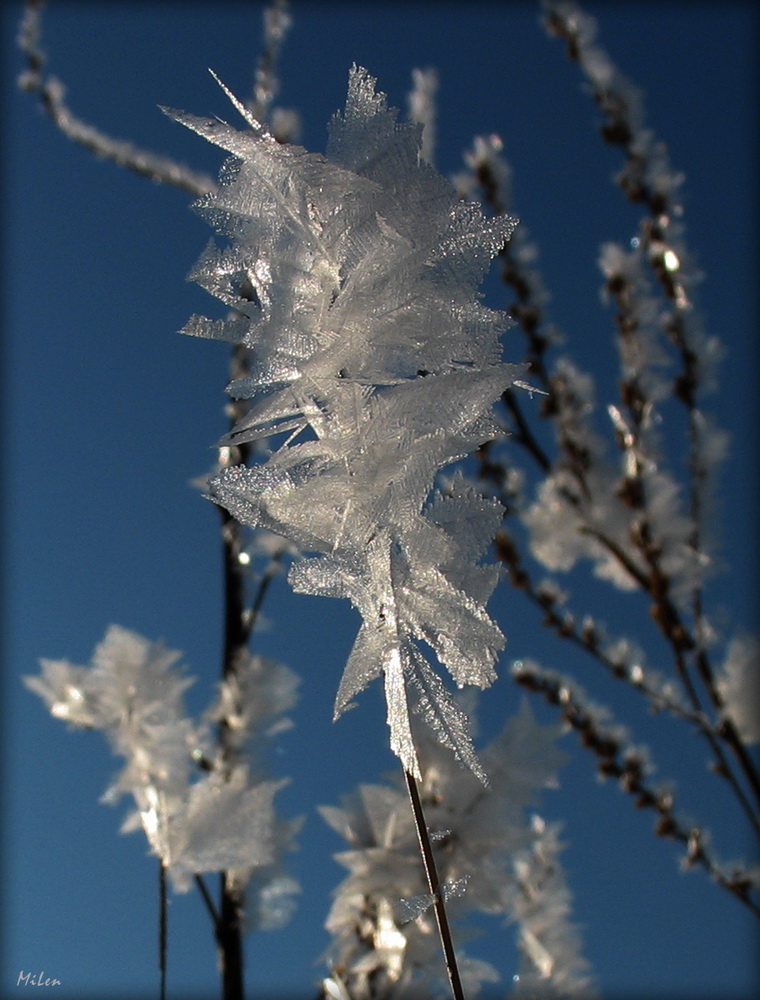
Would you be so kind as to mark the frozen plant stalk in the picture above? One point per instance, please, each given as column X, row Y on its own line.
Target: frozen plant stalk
column 354, row 277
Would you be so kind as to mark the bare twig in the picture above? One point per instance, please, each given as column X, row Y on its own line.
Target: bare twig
column 431, row 873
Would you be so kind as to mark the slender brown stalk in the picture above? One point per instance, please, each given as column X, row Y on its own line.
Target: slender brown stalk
column 431, row 873
column 228, row 925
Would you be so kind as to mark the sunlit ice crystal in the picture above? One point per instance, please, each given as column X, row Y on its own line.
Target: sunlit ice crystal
column 372, row 364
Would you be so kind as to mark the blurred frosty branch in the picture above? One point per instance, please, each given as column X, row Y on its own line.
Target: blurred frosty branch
column 52, row 97
column 624, row 515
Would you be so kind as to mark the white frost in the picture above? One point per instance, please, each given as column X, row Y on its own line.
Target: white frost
column 354, row 279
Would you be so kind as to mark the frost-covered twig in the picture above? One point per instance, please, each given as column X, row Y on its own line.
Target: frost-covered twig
column 627, row 521
column 648, row 178
column 422, row 109
column 552, row 962
column 239, row 618
column 51, row 94
column 133, row 692
column 626, row 764
column 589, row 637
column 276, row 22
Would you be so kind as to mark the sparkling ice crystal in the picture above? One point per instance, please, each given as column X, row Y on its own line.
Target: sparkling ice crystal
column 353, row 278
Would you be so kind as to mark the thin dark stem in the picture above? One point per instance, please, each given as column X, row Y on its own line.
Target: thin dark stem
column 228, row 930
column 206, row 896
column 229, row 941
column 431, row 873
column 234, row 648
column 162, row 926
column 264, row 584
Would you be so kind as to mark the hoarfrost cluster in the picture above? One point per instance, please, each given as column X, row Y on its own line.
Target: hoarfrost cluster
column 353, row 277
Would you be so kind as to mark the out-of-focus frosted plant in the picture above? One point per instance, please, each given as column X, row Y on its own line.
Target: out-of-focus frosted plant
column 492, row 857
column 551, row 957
column 611, row 498
column 133, row 692
column 181, row 816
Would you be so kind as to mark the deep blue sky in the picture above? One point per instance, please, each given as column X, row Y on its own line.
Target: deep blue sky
column 109, row 414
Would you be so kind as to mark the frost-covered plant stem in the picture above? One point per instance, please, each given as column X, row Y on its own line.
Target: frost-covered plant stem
column 434, row 885
column 660, row 240
column 563, row 623
column 52, row 97
column 353, row 279
column 624, row 516
column 239, row 620
column 624, row 764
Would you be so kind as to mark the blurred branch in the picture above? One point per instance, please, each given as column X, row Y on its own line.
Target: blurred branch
column 51, row 94
column 625, row 765
column 239, row 620
column 649, row 178
column 661, row 560
column 587, row 637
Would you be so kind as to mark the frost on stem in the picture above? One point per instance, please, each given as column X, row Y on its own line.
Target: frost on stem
column 354, row 277
column 52, row 96
column 552, row 963
column 738, row 683
column 133, row 692
column 422, row 108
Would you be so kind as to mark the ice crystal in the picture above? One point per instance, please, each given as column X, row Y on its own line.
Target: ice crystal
column 253, row 700
column 354, row 277
column 552, row 964
column 225, row 824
